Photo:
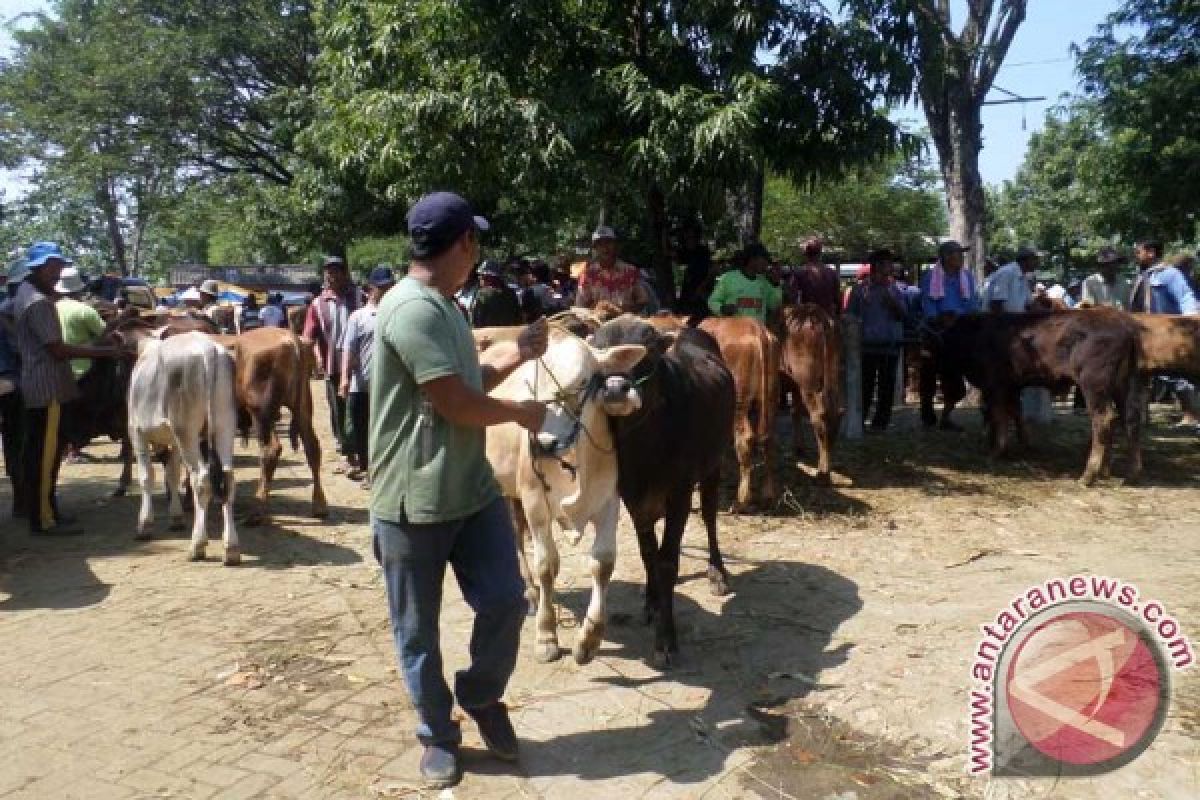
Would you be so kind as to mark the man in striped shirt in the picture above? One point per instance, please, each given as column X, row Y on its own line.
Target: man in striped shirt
column 46, row 383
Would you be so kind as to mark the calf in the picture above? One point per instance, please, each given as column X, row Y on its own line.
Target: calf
column 572, row 481
column 671, row 445
column 812, row 371
column 752, row 354
column 1000, row 354
column 181, row 400
column 273, row 366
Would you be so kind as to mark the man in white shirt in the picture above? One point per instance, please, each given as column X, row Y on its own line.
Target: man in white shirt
column 1106, row 288
column 1008, row 287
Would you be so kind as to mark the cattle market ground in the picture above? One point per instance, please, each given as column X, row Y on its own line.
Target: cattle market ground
column 838, row 667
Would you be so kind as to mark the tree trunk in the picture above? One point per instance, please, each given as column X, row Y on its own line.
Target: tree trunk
column 106, row 199
column 656, row 206
column 957, row 133
column 746, row 207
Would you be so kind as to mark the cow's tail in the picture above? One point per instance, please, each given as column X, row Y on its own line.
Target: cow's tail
column 214, row 382
column 832, row 344
column 298, row 389
column 768, row 388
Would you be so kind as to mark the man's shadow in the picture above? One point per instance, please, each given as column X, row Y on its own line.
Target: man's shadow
column 768, row 645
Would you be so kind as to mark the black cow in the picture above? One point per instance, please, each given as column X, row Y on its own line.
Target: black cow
column 1000, row 354
column 668, row 448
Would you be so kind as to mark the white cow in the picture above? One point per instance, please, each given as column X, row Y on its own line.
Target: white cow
column 181, row 400
column 575, row 482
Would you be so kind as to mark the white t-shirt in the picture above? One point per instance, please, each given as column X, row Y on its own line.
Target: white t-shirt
column 1010, row 286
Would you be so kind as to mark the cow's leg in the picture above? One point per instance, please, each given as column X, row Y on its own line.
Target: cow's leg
column 545, row 565
column 1134, row 402
column 521, row 531
column 197, row 467
column 648, row 549
column 145, row 467
column 1103, row 417
column 229, row 535
column 174, row 504
column 743, row 443
column 666, row 642
column 271, row 450
column 312, row 454
column 822, row 426
column 718, row 577
column 604, row 558
column 798, row 416
column 126, row 478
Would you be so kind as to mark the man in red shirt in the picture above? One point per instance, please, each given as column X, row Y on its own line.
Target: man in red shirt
column 815, row 282
column 324, row 325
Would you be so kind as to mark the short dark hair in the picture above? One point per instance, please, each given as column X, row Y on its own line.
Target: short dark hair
column 1152, row 244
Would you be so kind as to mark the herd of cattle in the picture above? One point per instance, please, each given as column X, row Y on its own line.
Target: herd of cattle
column 655, row 404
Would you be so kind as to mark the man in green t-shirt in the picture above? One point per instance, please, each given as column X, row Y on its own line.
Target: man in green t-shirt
column 746, row 292
column 434, row 499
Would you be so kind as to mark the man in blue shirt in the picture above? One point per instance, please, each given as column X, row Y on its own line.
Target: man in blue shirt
column 947, row 290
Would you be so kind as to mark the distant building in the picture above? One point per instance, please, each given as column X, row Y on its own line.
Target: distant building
column 258, row 277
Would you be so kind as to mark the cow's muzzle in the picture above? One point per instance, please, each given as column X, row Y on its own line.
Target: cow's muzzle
column 619, row 395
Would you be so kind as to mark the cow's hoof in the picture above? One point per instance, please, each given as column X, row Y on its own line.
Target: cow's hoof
column 546, row 652
column 175, row 524
column 195, row 554
column 255, row 520
column 119, row 491
column 233, row 556
column 824, row 480
column 1087, row 480
column 663, row 659
column 588, row 642
column 718, row 582
column 143, row 535
column 320, row 513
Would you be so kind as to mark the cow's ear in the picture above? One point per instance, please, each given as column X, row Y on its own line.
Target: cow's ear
column 620, row 358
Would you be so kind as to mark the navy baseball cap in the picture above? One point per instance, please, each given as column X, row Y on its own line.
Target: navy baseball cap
column 381, row 277
column 437, row 220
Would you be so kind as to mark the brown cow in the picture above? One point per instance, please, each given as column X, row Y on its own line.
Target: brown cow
column 812, row 369
column 752, row 354
column 1168, row 345
column 273, row 365
column 1000, row 354
column 295, row 319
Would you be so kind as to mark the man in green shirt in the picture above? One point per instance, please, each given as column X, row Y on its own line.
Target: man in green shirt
column 434, row 499
column 81, row 324
column 746, row 292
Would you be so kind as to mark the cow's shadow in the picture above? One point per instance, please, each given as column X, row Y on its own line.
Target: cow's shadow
column 767, row 645
column 46, row 574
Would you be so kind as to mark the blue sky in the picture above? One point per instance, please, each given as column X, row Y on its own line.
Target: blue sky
column 1039, row 63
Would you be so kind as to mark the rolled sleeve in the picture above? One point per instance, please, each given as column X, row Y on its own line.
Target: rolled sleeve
column 421, row 338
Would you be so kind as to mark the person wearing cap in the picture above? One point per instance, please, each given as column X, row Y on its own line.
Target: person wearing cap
column 1106, row 288
column 607, row 279
column 358, row 345
column 249, row 316
column 947, row 290
column 815, row 281
column 12, row 410
column 46, row 383
column 745, row 291
column 496, row 304
column 273, row 314
column 81, row 324
column 324, row 326
column 210, row 292
column 1007, row 289
column 434, row 499
column 880, row 306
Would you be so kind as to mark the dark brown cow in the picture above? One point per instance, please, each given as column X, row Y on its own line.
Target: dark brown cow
column 1097, row 349
column 812, row 369
column 273, row 366
column 673, row 444
column 751, row 352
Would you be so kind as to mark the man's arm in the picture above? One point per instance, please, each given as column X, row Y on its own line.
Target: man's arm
column 1184, row 294
column 313, row 332
column 500, row 360
column 461, row 405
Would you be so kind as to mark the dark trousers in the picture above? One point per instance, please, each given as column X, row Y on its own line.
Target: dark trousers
column 414, row 558
column 337, row 413
column 42, row 454
column 12, row 420
column 879, row 370
column 358, row 419
column 954, row 389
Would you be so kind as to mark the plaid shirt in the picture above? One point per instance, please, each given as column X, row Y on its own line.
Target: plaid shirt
column 44, row 379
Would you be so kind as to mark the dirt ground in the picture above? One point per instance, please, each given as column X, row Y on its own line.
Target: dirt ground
column 837, row 668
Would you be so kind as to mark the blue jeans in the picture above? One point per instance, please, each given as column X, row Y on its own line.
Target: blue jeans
column 481, row 550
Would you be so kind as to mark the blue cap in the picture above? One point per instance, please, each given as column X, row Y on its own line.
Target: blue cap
column 41, row 252
column 381, row 277
column 437, row 220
